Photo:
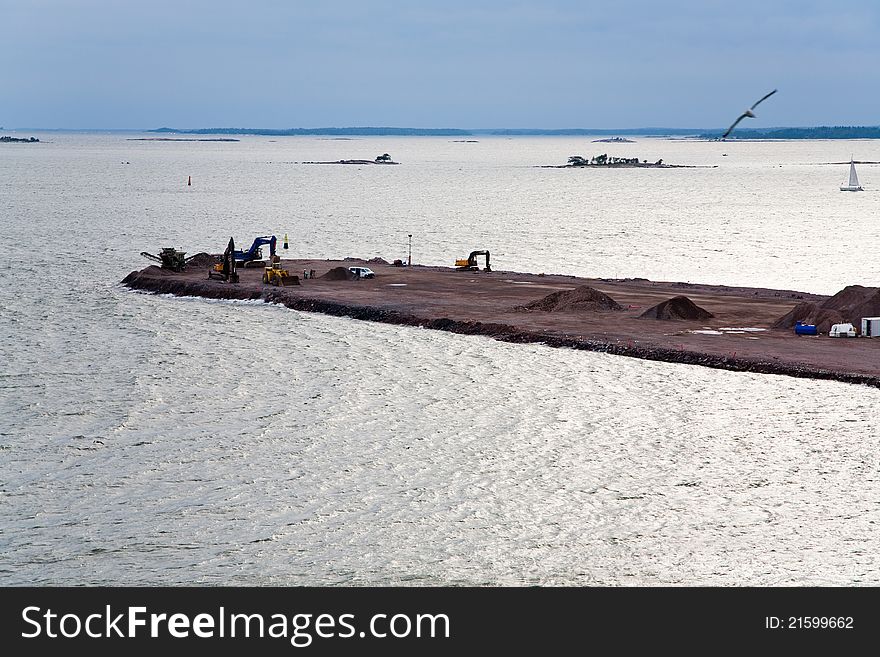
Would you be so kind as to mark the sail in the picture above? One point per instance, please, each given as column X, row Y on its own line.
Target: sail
column 853, row 184
column 853, row 178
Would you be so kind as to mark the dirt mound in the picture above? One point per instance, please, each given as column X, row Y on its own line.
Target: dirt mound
column 338, row 274
column 810, row 313
column 849, row 305
column 676, row 308
column 378, row 261
column 851, row 295
column 200, row 260
column 870, row 307
column 580, row 299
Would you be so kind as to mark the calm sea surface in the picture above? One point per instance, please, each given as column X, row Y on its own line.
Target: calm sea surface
column 157, row 440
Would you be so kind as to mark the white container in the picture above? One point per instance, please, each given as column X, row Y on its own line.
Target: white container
column 871, row 327
column 842, row 331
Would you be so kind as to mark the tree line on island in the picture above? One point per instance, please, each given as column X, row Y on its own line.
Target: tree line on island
column 820, row 132
column 362, row 132
column 603, row 160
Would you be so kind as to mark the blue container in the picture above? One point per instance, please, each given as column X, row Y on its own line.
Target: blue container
column 805, row 329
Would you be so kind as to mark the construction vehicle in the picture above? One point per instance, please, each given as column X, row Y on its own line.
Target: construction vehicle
column 362, row 272
column 470, row 264
column 225, row 270
column 276, row 276
column 253, row 257
column 169, row 258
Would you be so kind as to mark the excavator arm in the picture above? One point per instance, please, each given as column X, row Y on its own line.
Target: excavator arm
column 225, row 270
column 253, row 252
column 471, row 263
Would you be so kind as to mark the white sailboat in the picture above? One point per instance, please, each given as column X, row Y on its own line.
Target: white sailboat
column 852, row 184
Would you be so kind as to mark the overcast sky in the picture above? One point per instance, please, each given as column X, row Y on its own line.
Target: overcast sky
column 433, row 63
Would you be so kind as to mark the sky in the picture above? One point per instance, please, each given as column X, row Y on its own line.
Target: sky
column 82, row 64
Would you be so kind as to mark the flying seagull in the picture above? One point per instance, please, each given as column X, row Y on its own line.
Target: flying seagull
column 748, row 113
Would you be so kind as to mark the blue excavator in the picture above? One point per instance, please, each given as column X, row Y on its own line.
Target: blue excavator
column 253, row 257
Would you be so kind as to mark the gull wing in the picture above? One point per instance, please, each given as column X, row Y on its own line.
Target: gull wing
column 763, row 98
column 730, row 129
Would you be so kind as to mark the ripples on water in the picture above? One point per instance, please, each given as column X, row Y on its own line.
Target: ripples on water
column 155, row 440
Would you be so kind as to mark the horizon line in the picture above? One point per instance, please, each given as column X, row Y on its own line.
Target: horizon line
column 491, row 130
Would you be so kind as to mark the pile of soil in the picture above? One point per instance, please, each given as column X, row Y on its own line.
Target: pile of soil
column 201, row 260
column 580, row 299
column 676, row 308
column 378, row 261
column 849, row 305
column 338, row 274
column 869, row 307
column 810, row 313
column 848, row 297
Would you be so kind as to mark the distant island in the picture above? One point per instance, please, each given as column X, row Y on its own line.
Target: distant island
column 614, row 136
column 432, row 132
column 603, row 161
column 385, row 158
column 821, row 132
column 350, row 162
column 614, row 140
column 384, row 132
column 589, row 132
column 180, row 139
column 16, row 140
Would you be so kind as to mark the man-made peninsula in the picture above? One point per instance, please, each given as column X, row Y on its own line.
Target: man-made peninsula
column 733, row 328
column 18, row 140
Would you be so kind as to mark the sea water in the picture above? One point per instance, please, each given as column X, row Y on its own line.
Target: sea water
column 158, row 440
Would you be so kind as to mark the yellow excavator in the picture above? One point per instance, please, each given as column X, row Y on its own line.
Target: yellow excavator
column 275, row 275
column 225, row 270
column 470, row 263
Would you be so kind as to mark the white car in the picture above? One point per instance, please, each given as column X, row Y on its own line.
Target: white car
column 362, row 272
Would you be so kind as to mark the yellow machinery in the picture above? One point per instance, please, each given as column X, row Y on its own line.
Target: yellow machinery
column 225, row 270
column 470, row 264
column 276, row 276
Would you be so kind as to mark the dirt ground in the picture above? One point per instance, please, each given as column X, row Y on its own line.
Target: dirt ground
column 490, row 303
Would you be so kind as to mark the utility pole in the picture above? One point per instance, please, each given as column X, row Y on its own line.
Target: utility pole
column 409, row 261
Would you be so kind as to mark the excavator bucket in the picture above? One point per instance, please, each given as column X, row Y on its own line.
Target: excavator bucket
column 284, row 278
column 277, row 276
